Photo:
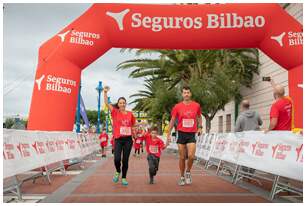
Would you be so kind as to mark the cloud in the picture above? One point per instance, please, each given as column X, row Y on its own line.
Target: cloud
column 25, row 28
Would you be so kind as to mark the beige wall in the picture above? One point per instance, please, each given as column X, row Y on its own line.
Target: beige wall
column 260, row 95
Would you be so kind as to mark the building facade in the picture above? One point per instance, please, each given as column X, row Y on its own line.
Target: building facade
column 260, row 94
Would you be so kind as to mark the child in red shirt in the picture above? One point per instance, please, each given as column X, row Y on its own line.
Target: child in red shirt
column 103, row 142
column 154, row 146
column 138, row 139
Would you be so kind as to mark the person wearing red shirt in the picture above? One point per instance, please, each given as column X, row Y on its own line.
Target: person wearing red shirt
column 188, row 115
column 137, row 142
column 281, row 110
column 103, row 142
column 154, row 146
column 123, row 122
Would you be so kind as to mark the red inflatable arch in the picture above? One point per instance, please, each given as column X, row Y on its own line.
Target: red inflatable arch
column 103, row 26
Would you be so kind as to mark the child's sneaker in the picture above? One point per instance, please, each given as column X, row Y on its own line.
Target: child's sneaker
column 116, row 177
column 124, row 182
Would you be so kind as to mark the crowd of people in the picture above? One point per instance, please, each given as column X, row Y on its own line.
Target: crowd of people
column 187, row 115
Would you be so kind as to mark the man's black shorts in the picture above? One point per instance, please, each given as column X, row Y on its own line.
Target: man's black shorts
column 186, row 137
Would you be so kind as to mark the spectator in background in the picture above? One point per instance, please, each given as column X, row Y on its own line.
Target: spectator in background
column 248, row 119
column 281, row 110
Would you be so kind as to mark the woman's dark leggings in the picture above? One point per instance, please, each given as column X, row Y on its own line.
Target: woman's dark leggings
column 123, row 144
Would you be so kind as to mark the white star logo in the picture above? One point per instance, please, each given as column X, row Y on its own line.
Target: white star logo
column 118, row 17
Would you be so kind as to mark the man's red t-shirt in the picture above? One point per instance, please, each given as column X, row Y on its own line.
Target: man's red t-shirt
column 103, row 139
column 187, row 116
column 122, row 123
column 282, row 110
column 154, row 146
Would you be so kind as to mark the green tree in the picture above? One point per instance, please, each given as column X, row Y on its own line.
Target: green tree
column 9, row 122
column 215, row 76
column 157, row 101
column 92, row 116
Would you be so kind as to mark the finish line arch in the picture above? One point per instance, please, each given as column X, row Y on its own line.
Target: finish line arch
column 103, row 26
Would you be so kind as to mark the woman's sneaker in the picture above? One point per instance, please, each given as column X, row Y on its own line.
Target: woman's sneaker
column 151, row 180
column 116, row 177
column 124, row 182
column 188, row 178
column 182, row 181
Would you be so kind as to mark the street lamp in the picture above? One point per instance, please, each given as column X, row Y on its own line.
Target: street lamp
column 99, row 89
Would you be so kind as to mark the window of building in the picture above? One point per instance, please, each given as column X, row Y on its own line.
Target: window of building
column 228, row 123
column 220, row 123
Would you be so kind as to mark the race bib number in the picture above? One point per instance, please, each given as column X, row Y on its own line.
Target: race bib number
column 138, row 141
column 153, row 149
column 103, row 139
column 188, row 123
column 125, row 131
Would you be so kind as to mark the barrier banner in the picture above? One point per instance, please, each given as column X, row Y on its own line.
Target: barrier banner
column 173, row 144
column 200, row 139
column 279, row 153
column 207, row 145
column 27, row 150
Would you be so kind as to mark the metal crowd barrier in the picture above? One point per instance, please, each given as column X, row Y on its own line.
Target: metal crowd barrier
column 239, row 172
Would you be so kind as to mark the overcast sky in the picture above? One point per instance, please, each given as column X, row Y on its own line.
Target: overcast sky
column 25, row 28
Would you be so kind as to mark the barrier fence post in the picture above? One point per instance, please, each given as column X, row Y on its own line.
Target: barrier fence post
column 275, row 182
column 219, row 165
column 18, row 190
column 63, row 170
column 47, row 176
column 235, row 173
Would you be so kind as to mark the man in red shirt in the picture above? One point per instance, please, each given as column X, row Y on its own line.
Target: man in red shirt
column 154, row 146
column 188, row 114
column 281, row 110
column 103, row 142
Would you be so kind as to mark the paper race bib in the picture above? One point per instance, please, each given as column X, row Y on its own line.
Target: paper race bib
column 125, row 131
column 138, row 141
column 188, row 123
column 153, row 149
column 103, row 139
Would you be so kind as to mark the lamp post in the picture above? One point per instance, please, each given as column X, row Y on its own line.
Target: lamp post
column 99, row 89
column 78, row 129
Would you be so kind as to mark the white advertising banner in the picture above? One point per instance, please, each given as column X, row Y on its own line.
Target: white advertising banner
column 200, row 140
column 277, row 152
column 206, row 146
column 27, row 150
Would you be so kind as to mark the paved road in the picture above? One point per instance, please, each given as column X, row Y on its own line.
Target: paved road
column 95, row 185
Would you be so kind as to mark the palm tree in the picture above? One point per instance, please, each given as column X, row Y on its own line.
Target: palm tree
column 177, row 66
column 157, row 101
column 213, row 68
